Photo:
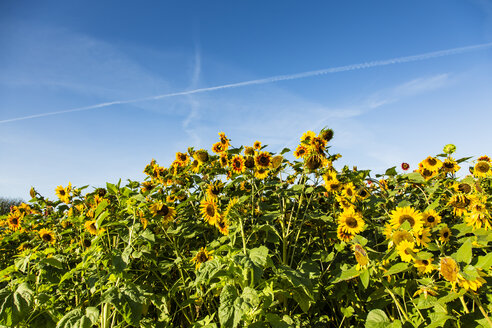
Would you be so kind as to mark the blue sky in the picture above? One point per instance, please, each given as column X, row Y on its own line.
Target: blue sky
column 58, row 56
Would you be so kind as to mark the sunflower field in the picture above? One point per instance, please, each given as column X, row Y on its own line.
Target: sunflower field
column 243, row 237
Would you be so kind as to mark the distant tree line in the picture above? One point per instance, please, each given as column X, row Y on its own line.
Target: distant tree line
column 6, row 203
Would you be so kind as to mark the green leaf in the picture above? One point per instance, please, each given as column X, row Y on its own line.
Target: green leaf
column 464, row 253
column 15, row 306
column 391, row 171
column 415, row 177
column 227, row 311
column 377, row 319
column 364, row 278
column 484, row 262
column 148, row 235
column 77, row 319
column 397, row 268
column 102, row 205
column 259, row 256
column 347, row 311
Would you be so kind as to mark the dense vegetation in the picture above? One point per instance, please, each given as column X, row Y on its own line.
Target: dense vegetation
column 241, row 237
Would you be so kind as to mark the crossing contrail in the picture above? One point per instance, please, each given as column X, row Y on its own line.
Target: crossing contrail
column 272, row 79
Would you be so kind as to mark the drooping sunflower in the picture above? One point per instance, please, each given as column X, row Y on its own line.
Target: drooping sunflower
column 237, row 164
column 64, row 193
column 460, row 204
column 263, row 159
column 14, row 221
column 472, row 284
column 261, row 173
column 201, row 156
column 161, row 210
column 360, row 256
column 47, row 236
column 406, row 214
column 432, row 163
column 450, row 166
column 343, row 235
column 215, row 188
column 449, row 270
column 195, row 166
column 326, row 134
column 406, row 250
column 300, row 151
column 218, row 148
column 182, row 159
column 147, row 186
column 313, row 160
column 201, row 256
column 423, row 238
column 351, row 221
column 257, row 145
column 344, row 203
column 424, row 266
column 209, row 210
column 431, row 218
column 482, row 169
column 479, row 216
column 90, row 226
column 318, row 144
column 463, row 187
column 444, row 234
column 277, row 161
column 223, row 225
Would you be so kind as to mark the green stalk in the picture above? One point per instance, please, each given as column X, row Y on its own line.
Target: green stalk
column 400, row 308
column 480, row 306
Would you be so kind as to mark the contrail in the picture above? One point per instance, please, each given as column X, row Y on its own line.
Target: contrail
column 272, row 79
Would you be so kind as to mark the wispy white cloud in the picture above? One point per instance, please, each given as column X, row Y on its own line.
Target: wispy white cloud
column 194, row 104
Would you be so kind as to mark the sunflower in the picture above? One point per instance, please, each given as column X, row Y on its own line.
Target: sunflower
column 201, row 156
column 449, row 270
column 432, row 164
column 444, row 234
column 307, row 136
column 182, row 159
column 159, row 209
column 90, row 226
column 237, row 164
column 218, row 148
column 423, row 238
column 224, row 141
column 86, row 243
column 401, row 235
column 209, row 210
column 450, row 165
column 201, row 256
column 479, row 217
column 431, row 218
column 300, row 151
column 426, row 173
column 406, row 214
column 313, row 160
column 326, row 134
column 406, row 250
column 257, row 145
column 214, row 189
column 362, row 193
column 343, row 202
column 482, row 169
column 361, row 257
column 64, row 193
column 351, row 221
column 195, row 166
column 223, row 225
column 261, row 173
column 318, row 145
column 263, row 159
column 223, row 160
column 147, row 186
column 460, row 204
column 343, row 235
column 277, row 161
column 333, row 186
column 14, row 221
column 424, row 266
column 249, row 162
column 471, row 284
column 47, row 236
column 349, row 191
column 463, row 187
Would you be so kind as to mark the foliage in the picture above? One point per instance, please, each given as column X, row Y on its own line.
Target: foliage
column 7, row 203
column 242, row 237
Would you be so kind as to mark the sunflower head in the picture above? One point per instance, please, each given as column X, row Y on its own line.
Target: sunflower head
column 261, row 173
column 277, row 161
column 201, row 156
column 257, row 145
column 313, row 161
column 406, row 214
column 201, row 256
column 263, row 159
column 307, row 136
column 162, row 210
column 406, row 250
column 405, row 166
column 450, row 166
column 351, row 221
column 482, row 169
column 401, row 235
column 431, row 163
column 223, row 160
column 214, row 189
column 360, row 256
column 300, row 151
column 431, row 218
column 237, row 164
column 14, row 221
column 326, row 134
column 343, row 235
column 223, row 225
column 224, row 140
column 47, row 236
column 424, row 266
column 218, row 148
column 64, row 193
column 249, row 162
column 444, row 234
column 449, row 270
column 209, row 210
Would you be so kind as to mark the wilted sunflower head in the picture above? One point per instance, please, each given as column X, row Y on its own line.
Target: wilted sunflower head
column 249, row 151
column 249, row 162
column 449, row 270
column 326, row 134
column 201, row 155
column 313, row 161
column 360, row 256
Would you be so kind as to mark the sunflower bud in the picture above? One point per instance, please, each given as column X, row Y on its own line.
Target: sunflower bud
column 449, row 149
column 326, row 135
column 32, row 192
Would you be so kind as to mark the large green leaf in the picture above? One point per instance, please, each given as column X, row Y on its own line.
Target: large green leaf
column 377, row 319
column 78, row 319
column 228, row 314
column 15, row 306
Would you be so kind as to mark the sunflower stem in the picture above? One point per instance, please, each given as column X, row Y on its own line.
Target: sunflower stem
column 480, row 306
column 400, row 308
column 464, row 305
